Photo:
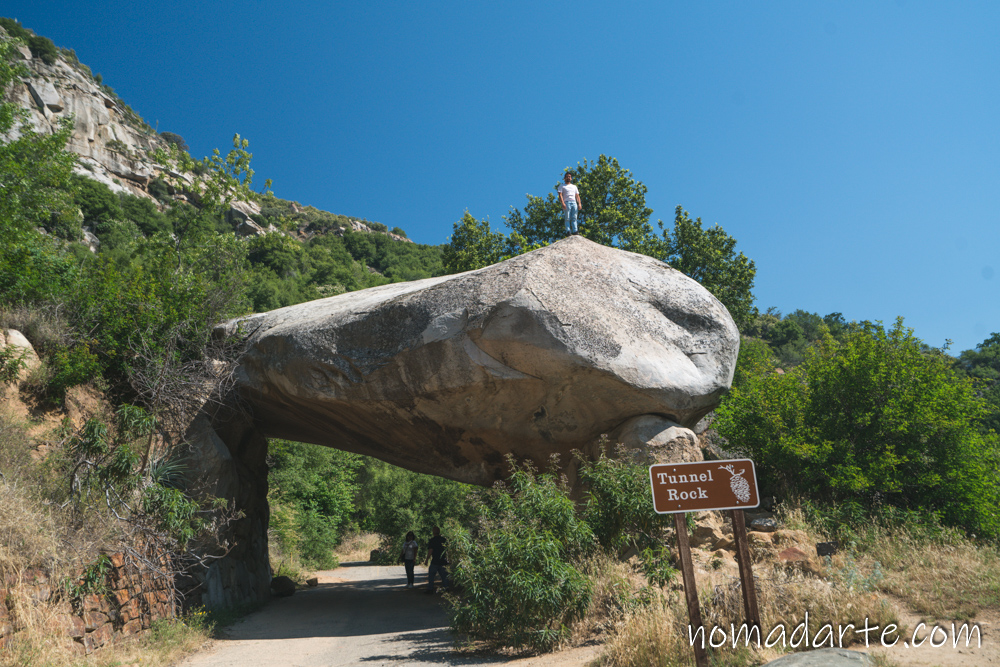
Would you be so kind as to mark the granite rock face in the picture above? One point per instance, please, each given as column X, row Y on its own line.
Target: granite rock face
column 537, row 355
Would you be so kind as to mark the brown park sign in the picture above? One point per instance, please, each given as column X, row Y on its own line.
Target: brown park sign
column 705, row 485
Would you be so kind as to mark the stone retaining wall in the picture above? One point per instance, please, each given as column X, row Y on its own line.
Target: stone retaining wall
column 131, row 598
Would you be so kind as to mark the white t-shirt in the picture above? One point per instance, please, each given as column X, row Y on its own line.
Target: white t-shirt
column 410, row 550
column 569, row 192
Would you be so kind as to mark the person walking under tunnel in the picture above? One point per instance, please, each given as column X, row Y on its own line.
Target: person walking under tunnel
column 438, row 560
column 409, row 557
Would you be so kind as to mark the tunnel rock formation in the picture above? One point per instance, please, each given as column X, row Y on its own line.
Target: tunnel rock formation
column 538, row 355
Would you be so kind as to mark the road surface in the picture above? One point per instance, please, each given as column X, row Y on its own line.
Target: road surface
column 359, row 614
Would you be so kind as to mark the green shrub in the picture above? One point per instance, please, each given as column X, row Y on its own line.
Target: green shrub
column 175, row 139
column 158, row 188
column 42, row 47
column 144, row 214
column 619, row 506
column 33, row 268
column 520, row 583
column 392, row 501
column 12, row 362
column 66, row 224
column 14, row 28
column 875, row 418
column 312, row 489
column 98, row 203
column 399, row 231
column 70, row 367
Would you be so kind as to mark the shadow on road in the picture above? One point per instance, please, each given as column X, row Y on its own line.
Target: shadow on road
column 359, row 615
column 434, row 647
column 371, row 601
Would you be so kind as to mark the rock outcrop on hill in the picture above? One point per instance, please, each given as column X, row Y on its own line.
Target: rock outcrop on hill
column 116, row 147
column 110, row 139
column 535, row 356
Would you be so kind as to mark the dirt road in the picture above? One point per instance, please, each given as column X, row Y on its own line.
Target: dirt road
column 358, row 615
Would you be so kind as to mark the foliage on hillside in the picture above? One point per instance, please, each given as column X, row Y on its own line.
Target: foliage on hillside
column 392, row 501
column 135, row 318
column 871, row 419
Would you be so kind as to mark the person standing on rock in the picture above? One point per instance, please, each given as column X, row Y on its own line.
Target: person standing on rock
column 569, row 197
column 409, row 557
column 435, row 554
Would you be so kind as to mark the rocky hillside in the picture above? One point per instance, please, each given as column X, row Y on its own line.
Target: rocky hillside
column 113, row 142
column 117, row 148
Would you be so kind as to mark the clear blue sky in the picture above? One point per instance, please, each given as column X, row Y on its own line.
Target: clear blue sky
column 852, row 148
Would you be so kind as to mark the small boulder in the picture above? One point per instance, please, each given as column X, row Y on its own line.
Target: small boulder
column 282, row 587
column 665, row 440
column 23, row 349
column 312, row 582
column 827, row 548
column 710, row 529
column 764, row 525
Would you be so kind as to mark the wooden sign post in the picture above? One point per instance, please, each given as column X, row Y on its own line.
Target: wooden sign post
column 679, row 488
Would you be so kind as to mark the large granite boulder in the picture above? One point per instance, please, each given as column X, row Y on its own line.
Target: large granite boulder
column 537, row 355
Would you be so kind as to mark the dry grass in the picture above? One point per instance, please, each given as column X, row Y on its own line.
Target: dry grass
column 44, row 328
column 653, row 636
column 357, row 547
column 951, row 577
column 655, row 630
column 286, row 565
column 166, row 643
column 937, row 572
column 28, row 533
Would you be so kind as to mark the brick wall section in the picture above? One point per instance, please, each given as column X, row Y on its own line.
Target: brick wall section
column 134, row 597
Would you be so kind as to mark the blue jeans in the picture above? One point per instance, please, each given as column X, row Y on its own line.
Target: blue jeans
column 433, row 570
column 570, row 217
column 408, row 564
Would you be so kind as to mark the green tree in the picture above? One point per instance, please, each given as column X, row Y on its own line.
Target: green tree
column 152, row 305
column 312, row 491
column 229, row 178
column 709, row 256
column 35, row 172
column 34, row 168
column 983, row 363
column 614, row 211
column 473, row 245
column 873, row 418
column 615, row 214
column 97, row 202
column 392, row 501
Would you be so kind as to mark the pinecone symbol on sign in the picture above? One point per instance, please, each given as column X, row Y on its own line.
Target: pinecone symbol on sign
column 740, row 487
